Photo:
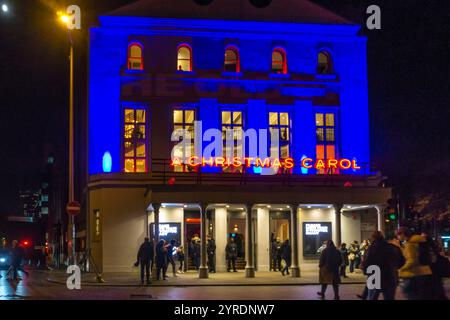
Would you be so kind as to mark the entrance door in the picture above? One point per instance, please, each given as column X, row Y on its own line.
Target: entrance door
column 192, row 240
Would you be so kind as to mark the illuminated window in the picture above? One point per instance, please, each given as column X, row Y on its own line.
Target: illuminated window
column 324, row 63
column 183, row 121
column 279, row 64
column 184, row 59
column 326, row 139
column 135, row 60
column 232, row 123
column 280, row 124
column 231, row 63
column 134, row 140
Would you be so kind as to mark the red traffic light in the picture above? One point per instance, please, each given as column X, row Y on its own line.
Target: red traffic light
column 25, row 243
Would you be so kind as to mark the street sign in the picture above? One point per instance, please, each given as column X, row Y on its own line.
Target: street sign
column 73, row 208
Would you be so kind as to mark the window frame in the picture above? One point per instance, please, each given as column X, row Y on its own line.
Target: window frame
column 129, row 57
column 279, row 126
column 231, row 109
column 184, row 108
column 330, row 70
column 191, row 64
column 325, row 142
column 235, row 49
column 145, row 140
column 283, row 54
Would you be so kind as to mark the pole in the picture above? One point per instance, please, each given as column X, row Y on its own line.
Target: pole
column 71, row 155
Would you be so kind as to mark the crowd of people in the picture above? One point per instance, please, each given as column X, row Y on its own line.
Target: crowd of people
column 16, row 256
column 415, row 260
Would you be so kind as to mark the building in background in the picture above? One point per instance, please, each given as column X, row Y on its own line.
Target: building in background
column 299, row 72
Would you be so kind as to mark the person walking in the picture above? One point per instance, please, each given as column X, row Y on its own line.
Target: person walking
column 275, row 255
column 286, row 256
column 389, row 259
column 145, row 255
column 231, row 255
column 170, row 254
column 330, row 261
column 161, row 260
column 17, row 255
column 353, row 253
column 344, row 256
column 180, row 257
column 416, row 272
column 211, row 251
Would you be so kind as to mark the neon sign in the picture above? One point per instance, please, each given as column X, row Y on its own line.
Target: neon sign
column 287, row 163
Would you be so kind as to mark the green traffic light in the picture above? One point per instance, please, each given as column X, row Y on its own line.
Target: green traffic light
column 392, row 216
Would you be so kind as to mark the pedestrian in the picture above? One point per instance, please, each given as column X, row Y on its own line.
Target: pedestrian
column 416, row 272
column 196, row 253
column 231, row 255
column 170, row 247
column 144, row 257
column 389, row 259
column 353, row 255
column 344, row 256
column 17, row 255
column 438, row 264
column 278, row 253
column 286, row 256
column 330, row 261
column 211, row 251
column 161, row 260
column 180, row 256
column 275, row 257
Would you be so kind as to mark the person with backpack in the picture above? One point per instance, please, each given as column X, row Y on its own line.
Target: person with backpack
column 416, row 272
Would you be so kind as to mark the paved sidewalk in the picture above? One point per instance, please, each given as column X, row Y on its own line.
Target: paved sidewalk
column 309, row 276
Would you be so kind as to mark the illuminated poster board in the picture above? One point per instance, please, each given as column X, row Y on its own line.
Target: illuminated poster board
column 314, row 234
column 167, row 231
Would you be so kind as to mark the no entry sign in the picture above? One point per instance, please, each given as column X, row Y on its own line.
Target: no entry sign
column 73, row 208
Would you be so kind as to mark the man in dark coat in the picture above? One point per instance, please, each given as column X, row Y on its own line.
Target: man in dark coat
column 330, row 261
column 389, row 259
column 211, row 251
column 170, row 251
column 161, row 259
column 231, row 255
column 17, row 254
column 286, row 256
column 196, row 253
column 276, row 255
column 144, row 258
column 345, row 262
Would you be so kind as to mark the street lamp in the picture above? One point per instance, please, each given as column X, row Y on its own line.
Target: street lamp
column 65, row 19
column 5, row 8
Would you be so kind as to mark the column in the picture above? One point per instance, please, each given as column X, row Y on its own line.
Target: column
column 295, row 269
column 156, row 207
column 221, row 237
column 203, row 271
column 263, row 240
column 380, row 217
column 337, row 211
column 250, row 267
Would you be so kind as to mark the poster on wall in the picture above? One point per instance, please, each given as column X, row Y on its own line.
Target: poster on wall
column 167, row 231
column 314, row 234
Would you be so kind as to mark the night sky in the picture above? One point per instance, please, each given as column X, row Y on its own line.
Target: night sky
column 408, row 89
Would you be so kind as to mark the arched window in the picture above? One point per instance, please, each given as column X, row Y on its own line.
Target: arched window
column 184, row 58
column 279, row 64
column 135, row 60
column 231, row 63
column 324, row 63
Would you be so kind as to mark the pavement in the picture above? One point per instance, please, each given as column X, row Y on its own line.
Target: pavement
column 309, row 275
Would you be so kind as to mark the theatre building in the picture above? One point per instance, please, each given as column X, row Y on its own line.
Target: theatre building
column 292, row 69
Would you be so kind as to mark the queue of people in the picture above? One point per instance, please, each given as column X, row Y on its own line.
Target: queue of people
column 413, row 260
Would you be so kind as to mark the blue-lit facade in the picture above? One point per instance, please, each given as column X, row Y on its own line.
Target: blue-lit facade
column 309, row 80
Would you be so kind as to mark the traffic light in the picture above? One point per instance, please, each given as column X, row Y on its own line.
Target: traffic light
column 392, row 214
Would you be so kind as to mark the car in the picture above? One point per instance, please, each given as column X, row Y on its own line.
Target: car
column 4, row 259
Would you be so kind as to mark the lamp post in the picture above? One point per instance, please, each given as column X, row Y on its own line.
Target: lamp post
column 72, row 22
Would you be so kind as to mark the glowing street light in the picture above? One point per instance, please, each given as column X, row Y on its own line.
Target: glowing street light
column 5, row 7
